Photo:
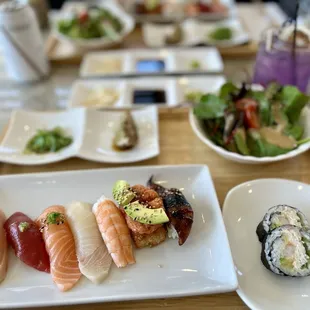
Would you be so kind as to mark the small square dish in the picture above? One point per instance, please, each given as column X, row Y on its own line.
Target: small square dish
column 101, row 127
column 143, row 61
column 98, row 94
column 202, row 265
column 205, row 85
column 23, row 126
column 159, row 35
column 244, row 208
column 156, row 91
column 215, row 34
column 105, row 63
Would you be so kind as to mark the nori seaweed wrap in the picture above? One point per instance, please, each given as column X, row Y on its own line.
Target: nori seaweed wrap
column 278, row 216
column 286, row 251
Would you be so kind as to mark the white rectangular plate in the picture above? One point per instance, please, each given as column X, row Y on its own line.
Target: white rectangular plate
column 92, row 62
column 175, row 88
column 203, row 265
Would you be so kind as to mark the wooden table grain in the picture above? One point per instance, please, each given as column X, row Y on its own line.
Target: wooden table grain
column 179, row 145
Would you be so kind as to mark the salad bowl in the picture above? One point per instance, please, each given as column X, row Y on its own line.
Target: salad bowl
column 304, row 121
column 94, row 43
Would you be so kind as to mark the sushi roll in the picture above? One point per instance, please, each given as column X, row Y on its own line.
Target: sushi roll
column 286, row 251
column 278, row 216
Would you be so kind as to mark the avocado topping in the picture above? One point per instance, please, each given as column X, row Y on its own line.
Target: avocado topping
column 144, row 215
column 122, row 193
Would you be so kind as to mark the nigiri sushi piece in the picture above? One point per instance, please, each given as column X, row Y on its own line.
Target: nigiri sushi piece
column 26, row 240
column 114, row 231
column 3, row 249
column 93, row 256
column 178, row 209
column 60, row 246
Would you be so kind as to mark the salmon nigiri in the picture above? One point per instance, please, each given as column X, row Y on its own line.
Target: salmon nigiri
column 3, row 249
column 93, row 256
column 60, row 246
column 26, row 239
column 114, row 231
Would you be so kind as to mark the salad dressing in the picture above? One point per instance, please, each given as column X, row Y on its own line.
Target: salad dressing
column 273, row 136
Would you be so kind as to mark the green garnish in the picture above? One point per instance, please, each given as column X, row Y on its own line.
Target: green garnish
column 55, row 218
column 23, row 226
column 195, row 64
column 221, row 33
column 46, row 141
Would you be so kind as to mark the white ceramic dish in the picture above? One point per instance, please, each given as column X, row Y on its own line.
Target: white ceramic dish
column 175, row 89
column 203, row 265
column 100, row 129
column 239, row 34
column 244, row 207
column 200, row 133
column 23, row 125
column 89, row 44
column 195, row 32
column 81, row 90
column 91, row 139
column 174, row 60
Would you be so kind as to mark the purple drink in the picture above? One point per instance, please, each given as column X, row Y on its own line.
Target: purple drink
column 276, row 62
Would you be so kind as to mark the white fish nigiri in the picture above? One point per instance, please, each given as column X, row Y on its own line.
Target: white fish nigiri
column 93, row 256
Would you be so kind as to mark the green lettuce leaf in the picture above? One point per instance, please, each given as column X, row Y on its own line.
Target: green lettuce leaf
column 209, row 107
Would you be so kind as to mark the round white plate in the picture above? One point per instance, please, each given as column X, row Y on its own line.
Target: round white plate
column 244, row 207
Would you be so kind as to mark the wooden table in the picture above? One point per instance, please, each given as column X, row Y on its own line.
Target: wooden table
column 179, row 145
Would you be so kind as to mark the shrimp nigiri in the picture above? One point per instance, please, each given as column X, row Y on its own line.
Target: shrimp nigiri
column 3, row 249
column 114, row 231
column 93, row 256
column 60, row 246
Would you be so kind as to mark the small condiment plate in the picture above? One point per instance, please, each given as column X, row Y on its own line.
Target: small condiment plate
column 206, row 84
column 195, row 32
column 81, row 90
column 244, row 207
column 94, row 63
column 203, row 265
column 239, row 34
column 100, row 128
column 23, row 126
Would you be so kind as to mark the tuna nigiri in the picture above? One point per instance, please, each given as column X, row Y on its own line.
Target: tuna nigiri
column 114, row 231
column 60, row 246
column 25, row 238
column 93, row 256
column 3, row 249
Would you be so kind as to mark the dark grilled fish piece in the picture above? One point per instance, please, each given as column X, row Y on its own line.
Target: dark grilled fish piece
column 178, row 209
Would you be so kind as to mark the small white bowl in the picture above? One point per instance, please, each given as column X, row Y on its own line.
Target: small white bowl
column 90, row 44
column 200, row 133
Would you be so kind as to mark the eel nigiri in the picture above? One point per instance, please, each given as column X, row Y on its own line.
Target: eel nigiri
column 60, row 246
column 26, row 239
column 114, row 231
column 93, row 256
column 178, row 209
column 3, row 249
